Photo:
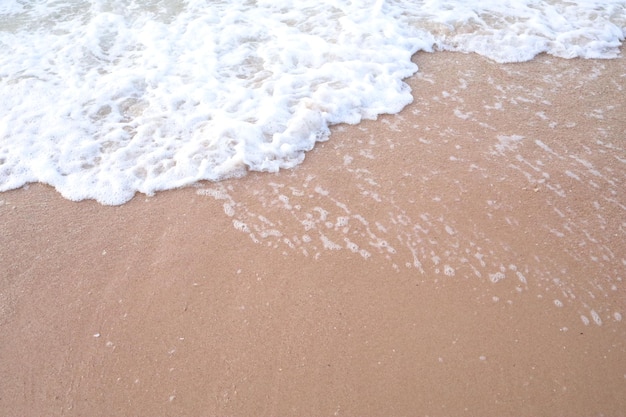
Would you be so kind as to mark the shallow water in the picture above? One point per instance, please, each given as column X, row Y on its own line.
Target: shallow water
column 496, row 175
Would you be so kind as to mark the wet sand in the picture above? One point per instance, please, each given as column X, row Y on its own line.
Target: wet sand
column 464, row 257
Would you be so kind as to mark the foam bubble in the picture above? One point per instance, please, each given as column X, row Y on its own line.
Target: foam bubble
column 584, row 319
column 342, row 221
column 241, row 226
column 596, row 318
column 495, row 277
column 351, row 245
column 229, row 210
column 329, row 244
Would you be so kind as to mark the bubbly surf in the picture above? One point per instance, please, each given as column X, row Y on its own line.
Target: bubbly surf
column 106, row 98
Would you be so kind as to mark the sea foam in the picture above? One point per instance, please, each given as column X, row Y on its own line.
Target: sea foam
column 106, row 98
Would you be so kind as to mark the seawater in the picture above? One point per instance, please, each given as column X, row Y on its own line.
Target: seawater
column 106, row 98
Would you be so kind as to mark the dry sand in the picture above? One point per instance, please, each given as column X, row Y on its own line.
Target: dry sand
column 465, row 257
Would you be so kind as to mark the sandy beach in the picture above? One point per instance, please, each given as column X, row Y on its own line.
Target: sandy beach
column 464, row 257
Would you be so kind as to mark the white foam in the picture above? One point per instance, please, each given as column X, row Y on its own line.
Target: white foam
column 596, row 317
column 508, row 143
column 496, row 277
column 241, row 226
column 102, row 99
column 329, row 244
column 229, row 210
column 513, row 30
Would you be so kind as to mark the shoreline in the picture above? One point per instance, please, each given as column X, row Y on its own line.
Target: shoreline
column 463, row 257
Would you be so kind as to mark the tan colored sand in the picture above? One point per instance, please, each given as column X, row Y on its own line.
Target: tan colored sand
column 465, row 257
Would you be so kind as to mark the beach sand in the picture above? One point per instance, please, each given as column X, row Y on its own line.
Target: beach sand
column 464, row 257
